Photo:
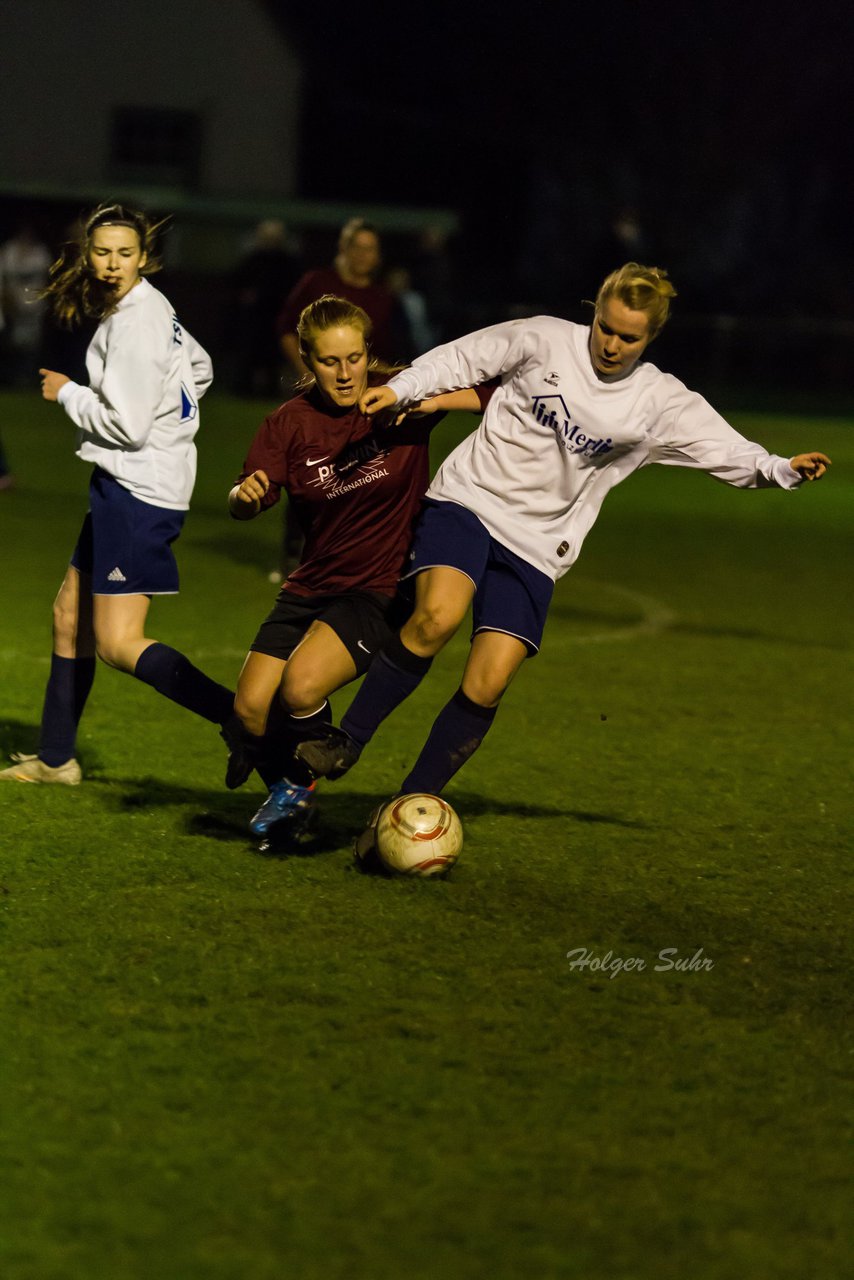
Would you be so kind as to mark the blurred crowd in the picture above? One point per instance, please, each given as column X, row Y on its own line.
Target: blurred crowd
column 409, row 299
column 423, row 288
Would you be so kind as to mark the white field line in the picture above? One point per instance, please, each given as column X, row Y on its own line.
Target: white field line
column 655, row 617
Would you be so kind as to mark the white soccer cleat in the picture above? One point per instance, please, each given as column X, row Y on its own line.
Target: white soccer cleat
column 31, row 769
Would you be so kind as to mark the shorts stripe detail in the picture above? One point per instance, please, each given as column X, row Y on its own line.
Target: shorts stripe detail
column 413, row 573
column 529, row 644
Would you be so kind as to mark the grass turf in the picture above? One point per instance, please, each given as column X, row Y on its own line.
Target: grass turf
column 216, row 1064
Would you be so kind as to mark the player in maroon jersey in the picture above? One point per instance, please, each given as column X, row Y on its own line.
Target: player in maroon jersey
column 355, row 486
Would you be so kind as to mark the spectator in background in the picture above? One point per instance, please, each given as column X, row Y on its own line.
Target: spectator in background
column 623, row 240
column 7, row 480
column 433, row 279
column 420, row 335
column 24, row 265
column 262, row 277
column 352, row 276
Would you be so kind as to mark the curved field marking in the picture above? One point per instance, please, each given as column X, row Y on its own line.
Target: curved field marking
column 655, row 617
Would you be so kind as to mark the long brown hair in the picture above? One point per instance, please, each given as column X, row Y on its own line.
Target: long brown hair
column 72, row 290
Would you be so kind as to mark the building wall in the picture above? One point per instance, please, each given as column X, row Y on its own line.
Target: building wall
column 67, row 65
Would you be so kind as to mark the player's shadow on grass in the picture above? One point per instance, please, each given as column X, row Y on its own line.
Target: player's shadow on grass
column 15, row 735
column 224, row 815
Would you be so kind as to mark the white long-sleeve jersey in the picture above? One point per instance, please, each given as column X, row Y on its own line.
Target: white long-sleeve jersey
column 555, row 438
column 138, row 417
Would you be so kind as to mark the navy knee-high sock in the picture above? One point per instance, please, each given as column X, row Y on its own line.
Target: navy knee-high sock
column 276, row 759
column 173, row 675
column 65, row 697
column 457, row 732
column 392, row 676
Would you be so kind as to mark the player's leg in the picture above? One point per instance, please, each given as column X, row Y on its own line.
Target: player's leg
column 121, row 642
column 320, row 664
column 133, row 560
column 509, row 614
column 280, row 702
column 463, row 723
column 442, row 599
column 72, row 670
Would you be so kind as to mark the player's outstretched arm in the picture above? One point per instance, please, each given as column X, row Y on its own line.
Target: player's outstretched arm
column 376, row 399
column 811, row 466
column 466, row 401
column 244, row 501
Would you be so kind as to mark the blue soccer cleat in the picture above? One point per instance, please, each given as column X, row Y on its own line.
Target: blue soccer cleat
column 288, row 804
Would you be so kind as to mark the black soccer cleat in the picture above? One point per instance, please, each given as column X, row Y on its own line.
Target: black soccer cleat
column 331, row 756
column 241, row 757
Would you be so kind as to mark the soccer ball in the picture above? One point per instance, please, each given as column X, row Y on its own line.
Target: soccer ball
column 418, row 835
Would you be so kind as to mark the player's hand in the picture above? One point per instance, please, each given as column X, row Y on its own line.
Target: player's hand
column 253, row 488
column 811, row 466
column 421, row 408
column 52, row 383
column 376, row 399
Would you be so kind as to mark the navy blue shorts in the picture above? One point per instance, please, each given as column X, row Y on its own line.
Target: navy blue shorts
column 125, row 544
column 511, row 596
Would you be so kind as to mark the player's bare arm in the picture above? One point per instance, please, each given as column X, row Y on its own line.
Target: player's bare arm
column 244, row 501
column 52, row 383
column 376, row 399
column 466, row 401
column 811, row 466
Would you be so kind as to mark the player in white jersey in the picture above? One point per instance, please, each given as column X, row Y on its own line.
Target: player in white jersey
column 506, row 515
column 136, row 424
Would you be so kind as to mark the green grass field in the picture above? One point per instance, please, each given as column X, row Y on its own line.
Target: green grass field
column 216, row 1065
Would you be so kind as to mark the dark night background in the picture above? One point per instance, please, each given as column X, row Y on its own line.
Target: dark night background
column 711, row 139
column 723, row 127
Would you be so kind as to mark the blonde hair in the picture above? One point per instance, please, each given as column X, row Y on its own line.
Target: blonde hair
column 332, row 312
column 72, row 290
column 639, row 288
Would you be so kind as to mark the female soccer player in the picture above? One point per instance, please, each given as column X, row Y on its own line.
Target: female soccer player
column 355, row 487
column 136, row 422
column 508, row 511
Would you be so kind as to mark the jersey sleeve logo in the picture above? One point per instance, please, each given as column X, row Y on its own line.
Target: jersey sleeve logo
column 189, row 405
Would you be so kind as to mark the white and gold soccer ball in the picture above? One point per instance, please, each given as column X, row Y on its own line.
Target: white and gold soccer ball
column 418, row 835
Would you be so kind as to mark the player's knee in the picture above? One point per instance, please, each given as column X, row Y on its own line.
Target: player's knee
column 107, row 651
column 113, row 651
column 430, row 628
column 486, row 690
column 65, row 622
column 251, row 713
column 301, row 691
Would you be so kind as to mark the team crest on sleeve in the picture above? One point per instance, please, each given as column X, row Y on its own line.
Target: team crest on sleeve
column 189, row 405
column 552, row 411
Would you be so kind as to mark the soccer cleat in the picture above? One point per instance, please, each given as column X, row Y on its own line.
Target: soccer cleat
column 365, row 854
column 241, row 759
column 288, row 804
column 330, row 756
column 31, row 769
column 298, row 835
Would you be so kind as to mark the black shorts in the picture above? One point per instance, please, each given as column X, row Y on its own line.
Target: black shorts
column 363, row 621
